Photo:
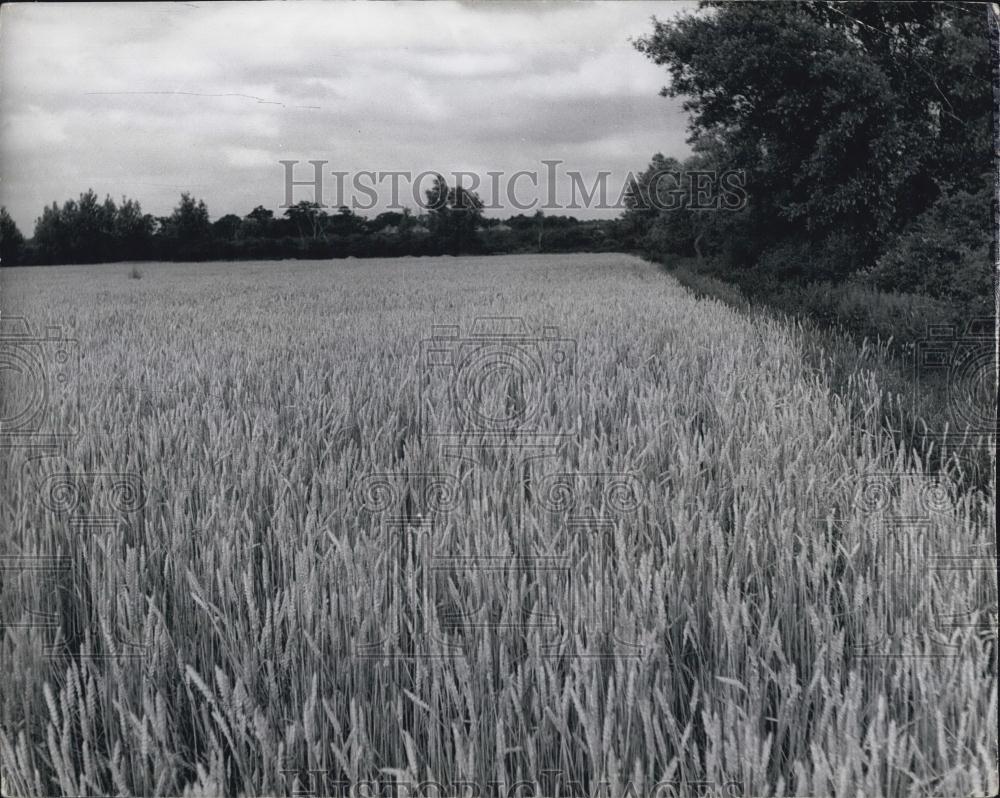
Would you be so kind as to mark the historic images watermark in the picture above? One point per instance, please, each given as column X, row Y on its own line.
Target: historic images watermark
column 51, row 593
column 549, row 783
column 963, row 360
column 39, row 385
column 546, row 188
column 903, row 557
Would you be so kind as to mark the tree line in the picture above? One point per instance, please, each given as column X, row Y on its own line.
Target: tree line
column 88, row 230
column 863, row 131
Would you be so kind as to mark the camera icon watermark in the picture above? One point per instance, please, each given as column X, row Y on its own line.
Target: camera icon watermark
column 553, row 575
column 578, row 497
column 439, row 599
column 39, row 385
column 24, row 578
column 405, row 510
column 964, row 361
column 95, row 501
column 88, row 512
column 550, row 782
column 148, row 398
column 493, row 386
column 587, row 516
column 407, row 500
column 905, row 559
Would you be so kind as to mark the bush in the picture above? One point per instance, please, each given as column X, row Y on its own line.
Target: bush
column 944, row 253
column 853, row 307
column 704, row 285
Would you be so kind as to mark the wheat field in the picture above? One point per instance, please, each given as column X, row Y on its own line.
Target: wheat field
column 638, row 546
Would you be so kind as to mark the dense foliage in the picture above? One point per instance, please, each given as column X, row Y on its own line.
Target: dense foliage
column 90, row 231
column 11, row 240
column 863, row 134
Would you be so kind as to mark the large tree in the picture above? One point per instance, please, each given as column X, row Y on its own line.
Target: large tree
column 133, row 231
column 455, row 216
column 189, row 220
column 79, row 231
column 309, row 219
column 849, row 119
column 187, row 233
column 11, row 240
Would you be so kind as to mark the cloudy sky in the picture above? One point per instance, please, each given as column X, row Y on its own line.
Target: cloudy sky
column 149, row 99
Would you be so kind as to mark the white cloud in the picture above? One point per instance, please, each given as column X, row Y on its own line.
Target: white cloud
column 147, row 99
column 25, row 131
column 249, row 157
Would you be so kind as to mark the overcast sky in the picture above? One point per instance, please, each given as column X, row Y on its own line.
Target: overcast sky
column 149, row 99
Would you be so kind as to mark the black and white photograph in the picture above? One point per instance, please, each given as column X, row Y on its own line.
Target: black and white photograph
column 488, row 399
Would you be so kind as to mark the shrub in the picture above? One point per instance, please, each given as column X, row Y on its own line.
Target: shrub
column 944, row 253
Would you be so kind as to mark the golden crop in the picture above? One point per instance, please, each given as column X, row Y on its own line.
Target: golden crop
column 672, row 555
